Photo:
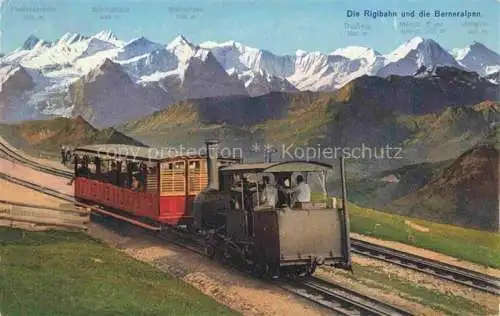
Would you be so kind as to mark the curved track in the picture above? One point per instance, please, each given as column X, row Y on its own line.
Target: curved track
column 435, row 268
column 339, row 299
column 14, row 154
column 37, row 187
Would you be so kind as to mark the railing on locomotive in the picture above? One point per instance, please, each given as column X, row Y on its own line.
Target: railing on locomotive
column 252, row 183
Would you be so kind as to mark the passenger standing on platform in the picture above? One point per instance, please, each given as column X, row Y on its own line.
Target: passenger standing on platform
column 269, row 193
column 63, row 155
column 68, row 154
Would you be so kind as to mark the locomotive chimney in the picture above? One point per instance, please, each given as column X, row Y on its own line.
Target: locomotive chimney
column 212, row 165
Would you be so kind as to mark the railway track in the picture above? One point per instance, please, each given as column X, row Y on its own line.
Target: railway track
column 334, row 297
column 37, row 187
column 12, row 153
column 442, row 270
column 341, row 300
column 435, row 268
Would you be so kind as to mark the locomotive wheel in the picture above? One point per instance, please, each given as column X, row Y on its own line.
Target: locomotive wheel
column 267, row 272
column 311, row 269
column 190, row 227
column 261, row 270
column 209, row 251
column 294, row 271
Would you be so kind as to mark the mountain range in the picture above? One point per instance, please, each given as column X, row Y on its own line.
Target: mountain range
column 431, row 117
column 109, row 81
column 458, row 183
column 45, row 137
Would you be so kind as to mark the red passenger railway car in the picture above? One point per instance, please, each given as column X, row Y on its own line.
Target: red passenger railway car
column 139, row 182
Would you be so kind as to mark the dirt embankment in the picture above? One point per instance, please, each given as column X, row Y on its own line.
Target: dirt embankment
column 232, row 288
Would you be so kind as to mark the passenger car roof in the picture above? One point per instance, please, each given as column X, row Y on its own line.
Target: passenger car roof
column 128, row 152
column 117, row 151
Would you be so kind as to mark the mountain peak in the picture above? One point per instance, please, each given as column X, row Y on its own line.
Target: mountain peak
column 477, row 57
column 142, row 44
column 481, row 48
column 70, row 38
column 416, row 40
column 300, row 52
column 477, row 44
column 209, row 44
column 106, row 35
column 231, row 43
column 356, row 52
column 409, row 57
column 79, row 120
column 30, row 42
column 179, row 40
column 182, row 48
column 138, row 41
column 414, row 44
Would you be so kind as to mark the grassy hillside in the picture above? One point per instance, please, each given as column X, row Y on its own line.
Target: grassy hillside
column 58, row 273
column 467, row 244
column 383, row 188
column 449, row 133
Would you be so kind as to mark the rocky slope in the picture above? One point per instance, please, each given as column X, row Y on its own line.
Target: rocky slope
column 465, row 193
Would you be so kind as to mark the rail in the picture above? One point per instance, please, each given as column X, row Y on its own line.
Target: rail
column 21, row 157
column 340, row 299
column 436, row 268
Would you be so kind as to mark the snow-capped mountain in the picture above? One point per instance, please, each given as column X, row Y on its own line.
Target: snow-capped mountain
column 91, row 99
column 257, row 84
column 33, row 41
column 478, row 58
column 358, row 52
column 201, row 76
column 305, row 70
column 412, row 55
column 181, row 70
column 108, row 36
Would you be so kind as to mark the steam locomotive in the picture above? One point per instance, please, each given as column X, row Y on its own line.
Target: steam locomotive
column 217, row 199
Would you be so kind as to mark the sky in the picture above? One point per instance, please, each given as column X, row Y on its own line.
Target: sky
column 280, row 26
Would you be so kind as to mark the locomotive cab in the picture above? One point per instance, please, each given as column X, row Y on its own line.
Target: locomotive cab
column 284, row 236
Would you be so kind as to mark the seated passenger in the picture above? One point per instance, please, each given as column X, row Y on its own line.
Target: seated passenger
column 83, row 171
column 112, row 175
column 283, row 197
column 269, row 193
column 301, row 192
column 136, row 185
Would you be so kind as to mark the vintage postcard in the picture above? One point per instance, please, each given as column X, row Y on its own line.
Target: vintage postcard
column 249, row 157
